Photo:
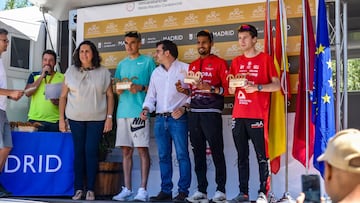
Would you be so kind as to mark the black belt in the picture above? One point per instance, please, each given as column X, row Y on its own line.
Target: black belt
column 166, row 114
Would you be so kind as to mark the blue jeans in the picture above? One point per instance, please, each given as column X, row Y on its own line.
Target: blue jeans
column 167, row 130
column 86, row 137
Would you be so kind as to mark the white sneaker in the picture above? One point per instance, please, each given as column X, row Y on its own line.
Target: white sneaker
column 198, row 197
column 142, row 195
column 219, row 197
column 261, row 198
column 124, row 195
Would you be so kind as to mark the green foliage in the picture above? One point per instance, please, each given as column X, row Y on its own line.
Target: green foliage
column 353, row 80
column 354, row 74
column 12, row 4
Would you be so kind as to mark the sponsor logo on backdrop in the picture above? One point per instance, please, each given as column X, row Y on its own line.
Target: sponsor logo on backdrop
column 236, row 14
column 224, row 33
column 130, row 6
column 150, row 24
column 259, row 46
column 111, row 61
column 215, row 50
column 191, row 19
column 258, row 12
column 299, row 9
column 174, row 37
column 93, row 30
column 232, row 51
column 121, row 43
column 298, row 46
column 170, row 21
column 111, row 28
column 213, row 16
column 289, row 10
column 155, row 4
column 191, row 36
column 190, row 54
column 152, row 40
column 130, row 25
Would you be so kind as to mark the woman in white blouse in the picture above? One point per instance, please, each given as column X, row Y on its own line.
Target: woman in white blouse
column 87, row 101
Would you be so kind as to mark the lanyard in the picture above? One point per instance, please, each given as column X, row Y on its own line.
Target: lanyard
column 52, row 76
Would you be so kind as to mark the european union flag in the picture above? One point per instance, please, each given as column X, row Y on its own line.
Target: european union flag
column 323, row 98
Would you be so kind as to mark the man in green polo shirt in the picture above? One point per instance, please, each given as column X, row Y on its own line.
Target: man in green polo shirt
column 42, row 109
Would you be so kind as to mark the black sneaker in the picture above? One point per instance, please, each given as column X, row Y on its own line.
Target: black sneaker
column 241, row 197
column 180, row 197
column 161, row 197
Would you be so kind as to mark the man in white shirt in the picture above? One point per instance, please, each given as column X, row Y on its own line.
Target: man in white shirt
column 5, row 132
column 171, row 124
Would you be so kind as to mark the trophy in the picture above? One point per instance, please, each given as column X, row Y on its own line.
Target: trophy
column 239, row 80
column 125, row 83
column 192, row 78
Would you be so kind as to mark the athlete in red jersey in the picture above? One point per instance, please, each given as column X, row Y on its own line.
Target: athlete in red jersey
column 205, row 121
column 251, row 109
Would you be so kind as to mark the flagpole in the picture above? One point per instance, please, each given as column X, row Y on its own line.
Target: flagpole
column 268, row 27
column 286, row 197
column 306, row 58
column 268, row 36
column 285, row 90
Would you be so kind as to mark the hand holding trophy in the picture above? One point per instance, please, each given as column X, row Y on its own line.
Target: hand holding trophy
column 239, row 80
column 193, row 78
column 125, row 83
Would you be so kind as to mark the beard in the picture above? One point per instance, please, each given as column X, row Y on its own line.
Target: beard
column 203, row 51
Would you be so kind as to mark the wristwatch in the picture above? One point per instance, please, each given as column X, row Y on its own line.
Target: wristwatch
column 212, row 89
column 109, row 116
column 259, row 87
column 186, row 108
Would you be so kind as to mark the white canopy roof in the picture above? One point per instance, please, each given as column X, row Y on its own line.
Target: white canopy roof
column 60, row 8
column 25, row 20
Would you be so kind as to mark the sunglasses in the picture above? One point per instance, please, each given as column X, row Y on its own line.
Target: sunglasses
column 135, row 34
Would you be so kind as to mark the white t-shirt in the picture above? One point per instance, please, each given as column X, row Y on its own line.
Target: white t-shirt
column 3, row 85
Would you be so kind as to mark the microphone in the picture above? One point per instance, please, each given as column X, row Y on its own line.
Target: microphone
column 47, row 72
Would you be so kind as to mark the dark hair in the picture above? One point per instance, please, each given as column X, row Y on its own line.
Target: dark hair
column 248, row 28
column 3, row 31
column 51, row 52
column 169, row 45
column 206, row 33
column 134, row 34
column 96, row 57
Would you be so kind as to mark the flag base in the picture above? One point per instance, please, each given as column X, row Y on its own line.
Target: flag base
column 287, row 198
column 271, row 197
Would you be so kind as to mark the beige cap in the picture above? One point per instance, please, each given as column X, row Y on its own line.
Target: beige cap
column 342, row 149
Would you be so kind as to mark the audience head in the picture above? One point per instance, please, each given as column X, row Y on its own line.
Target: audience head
column 4, row 41
column 170, row 46
column 342, row 164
